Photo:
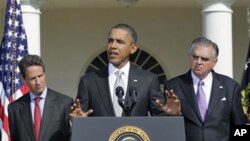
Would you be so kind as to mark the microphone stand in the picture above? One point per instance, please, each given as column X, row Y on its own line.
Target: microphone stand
column 128, row 106
column 129, row 103
column 125, row 106
column 127, row 109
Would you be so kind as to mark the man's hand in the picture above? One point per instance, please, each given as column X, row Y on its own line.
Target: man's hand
column 76, row 111
column 172, row 106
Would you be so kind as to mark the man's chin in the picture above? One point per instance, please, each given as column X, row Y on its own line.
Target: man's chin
column 198, row 73
column 39, row 91
column 114, row 62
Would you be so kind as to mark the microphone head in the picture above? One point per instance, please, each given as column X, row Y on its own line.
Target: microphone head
column 132, row 91
column 119, row 91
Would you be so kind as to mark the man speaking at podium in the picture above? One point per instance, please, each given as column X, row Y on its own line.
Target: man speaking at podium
column 122, row 89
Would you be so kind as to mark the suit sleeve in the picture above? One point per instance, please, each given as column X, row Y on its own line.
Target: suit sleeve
column 68, row 121
column 11, row 123
column 156, row 93
column 82, row 95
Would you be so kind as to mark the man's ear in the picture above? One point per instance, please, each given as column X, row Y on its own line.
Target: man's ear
column 134, row 48
column 23, row 80
column 215, row 62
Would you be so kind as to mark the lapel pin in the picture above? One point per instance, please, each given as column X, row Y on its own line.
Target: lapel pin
column 221, row 87
column 135, row 80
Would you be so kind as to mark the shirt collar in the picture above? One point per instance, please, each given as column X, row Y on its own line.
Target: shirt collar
column 124, row 69
column 43, row 95
column 205, row 80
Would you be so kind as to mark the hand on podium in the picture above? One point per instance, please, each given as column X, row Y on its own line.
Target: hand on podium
column 172, row 106
column 76, row 110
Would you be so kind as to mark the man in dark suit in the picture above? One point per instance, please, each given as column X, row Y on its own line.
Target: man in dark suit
column 97, row 90
column 51, row 121
column 209, row 120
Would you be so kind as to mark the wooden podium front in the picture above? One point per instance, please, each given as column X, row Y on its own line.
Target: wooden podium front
column 128, row 129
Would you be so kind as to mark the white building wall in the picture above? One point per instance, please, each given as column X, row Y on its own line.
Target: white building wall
column 71, row 38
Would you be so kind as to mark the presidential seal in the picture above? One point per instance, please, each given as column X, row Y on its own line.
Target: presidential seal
column 129, row 133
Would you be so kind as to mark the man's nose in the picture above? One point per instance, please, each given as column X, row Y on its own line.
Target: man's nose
column 113, row 44
column 37, row 80
column 199, row 60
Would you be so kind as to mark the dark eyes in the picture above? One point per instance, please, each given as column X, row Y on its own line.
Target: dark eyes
column 39, row 76
column 110, row 40
column 204, row 59
column 119, row 41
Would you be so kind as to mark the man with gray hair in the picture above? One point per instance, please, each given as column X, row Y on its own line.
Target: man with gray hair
column 210, row 101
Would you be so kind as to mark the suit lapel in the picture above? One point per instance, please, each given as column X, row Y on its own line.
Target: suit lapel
column 48, row 112
column 25, row 112
column 190, row 93
column 102, row 83
column 133, row 79
column 216, row 94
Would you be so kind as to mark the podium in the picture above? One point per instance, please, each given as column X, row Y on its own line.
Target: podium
column 165, row 128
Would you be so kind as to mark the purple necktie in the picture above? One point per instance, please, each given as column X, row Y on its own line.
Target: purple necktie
column 201, row 100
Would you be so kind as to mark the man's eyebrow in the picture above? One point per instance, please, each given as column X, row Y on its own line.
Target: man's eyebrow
column 202, row 58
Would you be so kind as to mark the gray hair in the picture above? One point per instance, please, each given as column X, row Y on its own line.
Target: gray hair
column 204, row 42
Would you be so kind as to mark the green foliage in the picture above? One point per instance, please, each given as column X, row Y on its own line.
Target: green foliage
column 245, row 98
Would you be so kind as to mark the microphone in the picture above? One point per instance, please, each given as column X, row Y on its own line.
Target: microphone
column 119, row 93
column 133, row 95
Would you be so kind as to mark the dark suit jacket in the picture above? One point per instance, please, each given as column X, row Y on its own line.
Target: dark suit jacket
column 55, row 124
column 94, row 92
column 224, row 107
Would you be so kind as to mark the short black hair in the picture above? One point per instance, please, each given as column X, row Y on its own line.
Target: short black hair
column 128, row 28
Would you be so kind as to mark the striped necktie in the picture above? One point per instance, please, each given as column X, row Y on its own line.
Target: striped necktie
column 119, row 82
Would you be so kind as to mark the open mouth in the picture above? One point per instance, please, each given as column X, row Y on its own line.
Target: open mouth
column 113, row 54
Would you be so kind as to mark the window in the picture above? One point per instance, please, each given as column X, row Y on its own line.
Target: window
column 141, row 59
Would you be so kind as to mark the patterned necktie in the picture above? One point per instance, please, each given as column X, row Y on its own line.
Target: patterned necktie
column 119, row 82
column 201, row 100
column 37, row 117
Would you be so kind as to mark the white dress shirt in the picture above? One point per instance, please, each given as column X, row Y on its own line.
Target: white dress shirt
column 112, row 77
column 207, row 87
column 41, row 103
